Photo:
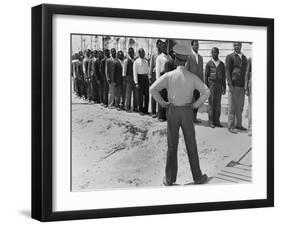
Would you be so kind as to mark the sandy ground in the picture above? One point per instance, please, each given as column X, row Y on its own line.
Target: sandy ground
column 116, row 149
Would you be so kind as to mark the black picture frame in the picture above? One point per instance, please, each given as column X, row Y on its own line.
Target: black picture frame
column 42, row 107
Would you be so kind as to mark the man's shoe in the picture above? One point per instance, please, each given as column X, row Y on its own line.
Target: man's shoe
column 211, row 125
column 153, row 115
column 202, row 180
column 167, row 183
column 161, row 120
column 232, row 130
column 141, row 113
column 219, row 125
column 241, row 128
column 196, row 121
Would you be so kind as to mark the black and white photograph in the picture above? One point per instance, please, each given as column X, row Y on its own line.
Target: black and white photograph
column 159, row 112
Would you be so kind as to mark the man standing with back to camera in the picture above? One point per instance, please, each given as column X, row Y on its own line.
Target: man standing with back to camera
column 180, row 85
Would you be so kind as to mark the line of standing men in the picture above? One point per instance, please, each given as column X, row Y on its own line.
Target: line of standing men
column 115, row 82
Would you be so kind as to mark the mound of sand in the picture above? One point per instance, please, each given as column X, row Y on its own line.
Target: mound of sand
column 116, row 149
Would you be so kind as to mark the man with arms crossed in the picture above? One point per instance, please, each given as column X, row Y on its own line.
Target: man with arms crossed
column 180, row 85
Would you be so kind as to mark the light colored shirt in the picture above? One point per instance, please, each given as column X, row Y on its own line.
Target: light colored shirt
column 84, row 65
column 140, row 68
column 180, row 85
column 216, row 62
column 195, row 54
column 161, row 61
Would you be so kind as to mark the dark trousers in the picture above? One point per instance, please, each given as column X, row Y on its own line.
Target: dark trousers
column 123, row 92
column 78, row 86
column 84, row 87
column 131, row 89
column 101, row 92
column 196, row 96
column 161, row 110
column 117, row 96
column 96, row 90
column 214, row 110
column 143, row 93
column 105, row 93
column 181, row 116
column 236, row 104
column 153, row 102
column 89, row 88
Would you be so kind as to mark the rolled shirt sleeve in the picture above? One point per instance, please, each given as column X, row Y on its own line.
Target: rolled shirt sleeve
column 157, row 86
column 204, row 91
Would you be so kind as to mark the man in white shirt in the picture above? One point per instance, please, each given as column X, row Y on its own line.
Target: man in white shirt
column 180, row 85
column 141, row 80
column 161, row 68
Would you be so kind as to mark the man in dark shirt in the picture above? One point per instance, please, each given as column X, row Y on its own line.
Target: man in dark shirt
column 109, row 71
column 118, row 70
column 236, row 63
column 103, row 77
column 215, row 80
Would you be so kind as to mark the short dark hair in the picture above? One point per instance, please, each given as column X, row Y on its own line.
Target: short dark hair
column 141, row 49
column 158, row 41
column 193, row 41
column 131, row 49
column 216, row 48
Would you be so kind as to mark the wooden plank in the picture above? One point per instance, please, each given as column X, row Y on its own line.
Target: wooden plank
column 236, row 171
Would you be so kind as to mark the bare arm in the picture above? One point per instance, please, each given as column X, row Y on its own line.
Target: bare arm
column 156, row 87
column 207, row 74
column 151, row 66
column 135, row 68
column 228, row 68
column 204, row 92
column 158, row 67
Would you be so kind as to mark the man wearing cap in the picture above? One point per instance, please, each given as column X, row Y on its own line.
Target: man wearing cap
column 141, row 69
column 180, row 85
column 152, row 74
column 215, row 80
column 235, row 66
column 161, row 68
column 194, row 64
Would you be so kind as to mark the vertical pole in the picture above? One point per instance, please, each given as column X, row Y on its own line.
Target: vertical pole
column 81, row 43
